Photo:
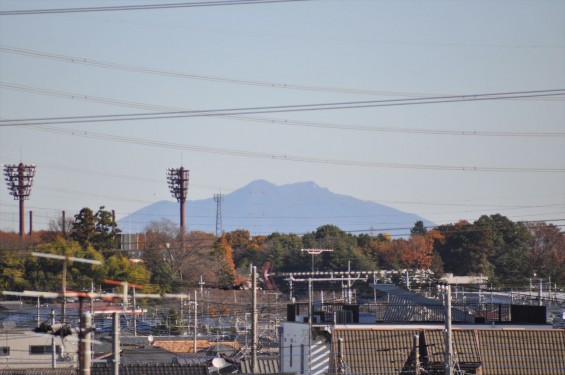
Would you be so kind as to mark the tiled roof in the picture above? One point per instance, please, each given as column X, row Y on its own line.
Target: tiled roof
column 187, row 346
column 496, row 351
column 39, row 371
column 265, row 365
column 150, row 369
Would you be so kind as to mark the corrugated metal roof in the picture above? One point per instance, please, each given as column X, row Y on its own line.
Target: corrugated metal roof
column 497, row 351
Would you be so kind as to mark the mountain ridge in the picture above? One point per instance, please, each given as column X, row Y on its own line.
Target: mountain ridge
column 264, row 208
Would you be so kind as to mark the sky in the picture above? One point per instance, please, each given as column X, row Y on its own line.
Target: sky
column 202, row 68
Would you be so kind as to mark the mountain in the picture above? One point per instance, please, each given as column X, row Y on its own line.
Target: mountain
column 263, row 208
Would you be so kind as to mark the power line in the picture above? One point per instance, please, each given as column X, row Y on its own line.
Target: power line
column 115, row 8
column 202, row 77
column 292, row 158
column 285, row 108
column 271, row 121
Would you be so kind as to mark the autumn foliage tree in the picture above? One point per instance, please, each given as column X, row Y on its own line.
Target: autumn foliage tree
column 225, row 267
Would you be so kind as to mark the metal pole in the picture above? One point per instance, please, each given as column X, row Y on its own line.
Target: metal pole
column 64, row 290
column 30, row 222
column 195, row 320
column 116, row 342
column 53, row 346
column 310, row 321
column 135, row 314
column 254, row 364
column 416, row 349
column 38, row 311
column 86, row 350
column 63, row 226
column 21, row 193
column 448, row 337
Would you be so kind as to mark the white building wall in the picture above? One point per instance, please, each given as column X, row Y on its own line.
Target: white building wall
column 19, row 355
column 296, row 347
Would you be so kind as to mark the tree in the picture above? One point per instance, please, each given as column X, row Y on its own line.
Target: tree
column 465, row 249
column 84, row 227
column 225, row 268
column 107, row 230
column 547, row 251
column 345, row 250
column 418, row 228
column 509, row 251
column 99, row 230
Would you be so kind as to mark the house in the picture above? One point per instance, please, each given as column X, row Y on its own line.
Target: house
column 27, row 349
column 407, row 335
column 374, row 349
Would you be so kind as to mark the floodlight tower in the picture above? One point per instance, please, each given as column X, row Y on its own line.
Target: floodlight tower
column 19, row 178
column 177, row 178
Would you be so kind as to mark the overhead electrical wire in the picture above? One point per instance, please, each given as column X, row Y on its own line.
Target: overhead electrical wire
column 202, row 77
column 282, row 122
column 114, row 8
column 288, row 157
column 284, row 108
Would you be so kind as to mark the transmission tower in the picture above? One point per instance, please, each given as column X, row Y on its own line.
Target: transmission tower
column 177, row 179
column 19, row 178
column 218, row 198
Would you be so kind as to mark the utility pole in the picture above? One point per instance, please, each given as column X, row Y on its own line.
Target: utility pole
column 85, row 334
column 201, row 285
column 53, row 346
column 254, row 364
column 19, row 178
column 177, row 179
column 116, row 342
column 218, row 198
column 65, row 260
column 195, row 321
column 448, row 333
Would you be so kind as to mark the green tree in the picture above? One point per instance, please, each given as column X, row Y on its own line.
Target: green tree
column 96, row 229
column 510, row 247
column 418, row 228
column 344, row 246
column 107, row 231
column 465, row 249
column 84, row 227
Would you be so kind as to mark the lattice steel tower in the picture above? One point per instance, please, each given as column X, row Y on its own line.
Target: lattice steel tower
column 19, row 178
column 218, row 198
column 177, row 179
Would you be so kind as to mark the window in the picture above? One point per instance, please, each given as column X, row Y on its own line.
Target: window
column 4, row 351
column 43, row 349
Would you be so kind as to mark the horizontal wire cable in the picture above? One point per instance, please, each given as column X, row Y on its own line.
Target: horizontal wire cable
column 115, row 8
column 284, row 108
column 288, row 157
column 270, row 121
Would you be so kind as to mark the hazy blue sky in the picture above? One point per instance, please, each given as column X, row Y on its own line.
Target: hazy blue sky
column 239, row 56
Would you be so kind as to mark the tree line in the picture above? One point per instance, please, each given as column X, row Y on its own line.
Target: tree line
column 507, row 252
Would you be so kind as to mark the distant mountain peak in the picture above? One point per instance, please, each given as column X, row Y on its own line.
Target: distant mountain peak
column 263, row 207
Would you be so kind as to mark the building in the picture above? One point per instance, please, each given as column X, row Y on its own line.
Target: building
column 408, row 336
column 21, row 349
